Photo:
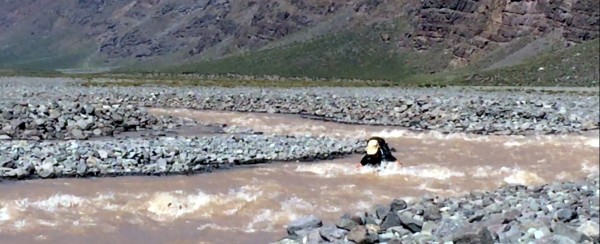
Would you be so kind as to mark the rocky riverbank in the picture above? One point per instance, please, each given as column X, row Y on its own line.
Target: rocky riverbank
column 166, row 155
column 448, row 110
column 73, row 120
column 560, row 212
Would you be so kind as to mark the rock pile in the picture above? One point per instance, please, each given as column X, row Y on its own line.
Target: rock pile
column 445, row 111
column 74, row 120
column 166, row 155
column 565, row 212
column 448, row 110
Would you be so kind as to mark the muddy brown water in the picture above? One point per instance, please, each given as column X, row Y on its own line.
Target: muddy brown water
column 253, row 204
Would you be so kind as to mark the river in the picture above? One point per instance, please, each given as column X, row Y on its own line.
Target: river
column 252, row 204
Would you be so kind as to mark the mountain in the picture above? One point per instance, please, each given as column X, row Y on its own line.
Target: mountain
column 381, row 39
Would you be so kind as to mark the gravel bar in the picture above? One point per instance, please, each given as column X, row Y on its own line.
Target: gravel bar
column 448, row 110
column 560, row 212
column 162, row 156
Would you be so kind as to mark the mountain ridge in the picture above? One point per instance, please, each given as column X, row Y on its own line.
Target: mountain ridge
column 435, row 35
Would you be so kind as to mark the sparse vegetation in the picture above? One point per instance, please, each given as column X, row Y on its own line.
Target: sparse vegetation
column 355, row 59
column 239, row 83
column 363, row 55
column 575, row 66
column 30, row 72
column 350, row 54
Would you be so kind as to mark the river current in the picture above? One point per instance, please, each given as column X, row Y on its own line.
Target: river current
column 252, row 204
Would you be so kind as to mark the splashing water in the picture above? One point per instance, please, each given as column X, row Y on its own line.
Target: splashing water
column 172, row 205
column 331, row 170
column 523, row 177
column 4, row 215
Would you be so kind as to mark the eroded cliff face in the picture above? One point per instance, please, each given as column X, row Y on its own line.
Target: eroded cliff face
column 150, row 29
column 471, row 28
column 143, row 29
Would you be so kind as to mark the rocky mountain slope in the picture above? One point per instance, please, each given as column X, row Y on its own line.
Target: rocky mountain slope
column 435, row 34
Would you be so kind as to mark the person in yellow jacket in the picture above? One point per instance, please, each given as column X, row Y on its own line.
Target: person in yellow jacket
column 377, row 151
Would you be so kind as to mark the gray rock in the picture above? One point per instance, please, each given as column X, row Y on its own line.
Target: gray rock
column 447, row 227
column 382, row 211
column 394, row 241
column 512, row 215
column 386, row 236
column 399, row 231
column 54, row 114
column 78, row 134
column 397, row 205
column 563, row 229
column 358, row 234
column 391, row 220
column 486, row 236
column 432, row 214
column 428, row 228
column 87, row 109
column 304, row 223
column 103, row 154
column 510, row 236
column 555, row 239
column 564, row 215
column 410, row 223
column 332, row 233
column 590, row 229
column 22, row 172
column 346, row 223
column 162, row 163
column 46, row 170
column 84, row 124
column 81, row 168
column 6, row 162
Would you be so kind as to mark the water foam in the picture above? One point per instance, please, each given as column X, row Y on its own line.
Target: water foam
column 290, row 208
column 53, row 203
column 523, row 177
column 428, row 171
column 510, row 144
column 20, row 224
column 589, row 168
column 564, row 176
column 485, row 172
column 172, row 205
column 330, row 170
column 327, row 170
column 508, row 141
column 214, row 226
column 593, row 142
column 296, row 203
column 404, row 133
column 265, row 215
column 4, row 214
column 168, row 206
column 426, row 187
